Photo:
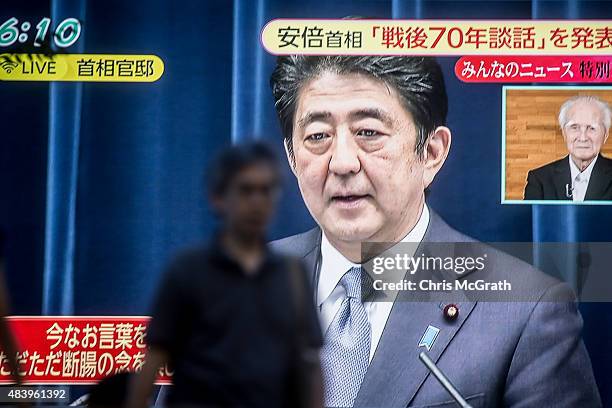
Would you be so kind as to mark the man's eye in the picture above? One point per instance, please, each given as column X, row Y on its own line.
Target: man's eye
column 368, row 133
column 317, row 137
column 574, row 127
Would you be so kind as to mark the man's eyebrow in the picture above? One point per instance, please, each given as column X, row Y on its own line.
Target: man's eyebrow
column 315, row 116
column 365, row 113
column 575, row 122
column 373, row 113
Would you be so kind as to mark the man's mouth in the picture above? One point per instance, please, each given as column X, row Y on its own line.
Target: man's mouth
column 349, row 200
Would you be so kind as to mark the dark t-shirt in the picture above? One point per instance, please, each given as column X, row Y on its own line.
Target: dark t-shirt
column 230, row 337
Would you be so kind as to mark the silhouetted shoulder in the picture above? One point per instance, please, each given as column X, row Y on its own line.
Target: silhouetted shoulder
column 191, row 254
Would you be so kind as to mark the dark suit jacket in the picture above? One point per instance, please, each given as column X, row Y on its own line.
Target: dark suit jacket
column 549, row 181
column 512, row 354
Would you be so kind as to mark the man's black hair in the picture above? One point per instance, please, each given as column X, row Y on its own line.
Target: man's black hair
column 231, row 160
column 418, row 81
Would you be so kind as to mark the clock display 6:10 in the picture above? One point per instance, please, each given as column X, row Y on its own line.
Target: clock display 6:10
column 66, row 33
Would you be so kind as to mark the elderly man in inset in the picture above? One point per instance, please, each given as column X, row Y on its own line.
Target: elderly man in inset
column 584, row 174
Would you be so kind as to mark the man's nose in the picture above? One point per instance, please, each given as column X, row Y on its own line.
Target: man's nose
column 583, row 135
column 345, row 159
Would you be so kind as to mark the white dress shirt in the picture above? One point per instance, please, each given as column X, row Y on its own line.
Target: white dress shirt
column 580, row 179
column 330, row 295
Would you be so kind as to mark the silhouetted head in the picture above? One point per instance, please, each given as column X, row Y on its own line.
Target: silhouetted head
column 243, row 185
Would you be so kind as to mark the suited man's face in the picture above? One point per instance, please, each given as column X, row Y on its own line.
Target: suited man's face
column 355, row 159
column 584, row 132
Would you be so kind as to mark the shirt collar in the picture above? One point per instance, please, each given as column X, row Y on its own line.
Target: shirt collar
column 219, row 254
column 586, row 174
column 334, row 265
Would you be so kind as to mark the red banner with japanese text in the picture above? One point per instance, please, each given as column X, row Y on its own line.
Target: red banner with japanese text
column 77, row 350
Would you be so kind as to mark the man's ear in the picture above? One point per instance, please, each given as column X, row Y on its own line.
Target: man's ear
column 435, row 153
column 290, row 155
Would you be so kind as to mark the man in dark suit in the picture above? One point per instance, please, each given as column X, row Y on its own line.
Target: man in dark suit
column 584, row 174
column 365, row 136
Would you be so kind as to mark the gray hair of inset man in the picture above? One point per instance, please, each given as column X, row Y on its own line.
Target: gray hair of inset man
column 601, row 104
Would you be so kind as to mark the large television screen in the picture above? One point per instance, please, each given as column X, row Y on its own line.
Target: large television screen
column 440, row 171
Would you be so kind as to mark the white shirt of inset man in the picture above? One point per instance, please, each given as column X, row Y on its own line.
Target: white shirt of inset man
column 580, row 179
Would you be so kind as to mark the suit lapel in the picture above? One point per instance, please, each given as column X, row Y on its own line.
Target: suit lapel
column 562, row 177
column 312, row 256
column 395, row 373
column 600, row 181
